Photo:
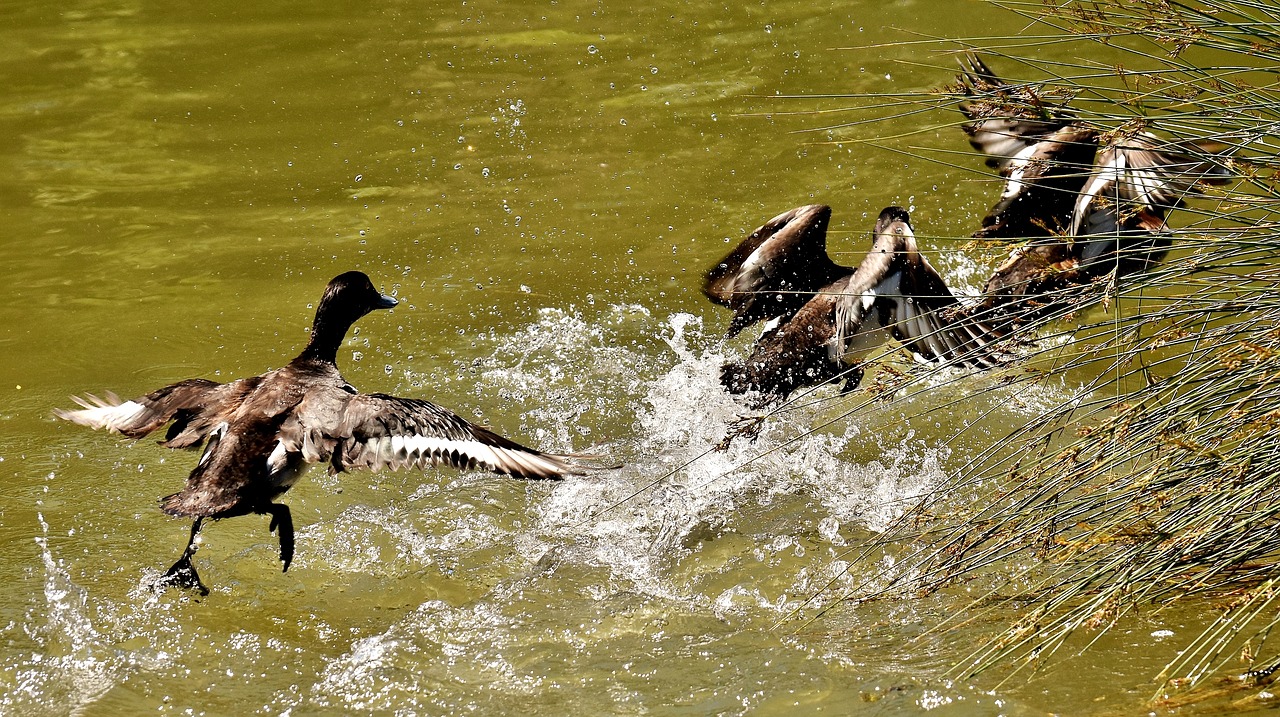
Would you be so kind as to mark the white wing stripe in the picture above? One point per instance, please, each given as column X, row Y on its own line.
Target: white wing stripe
column 401, row 450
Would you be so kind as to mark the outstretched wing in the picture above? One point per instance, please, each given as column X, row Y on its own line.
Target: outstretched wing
column 1005, row 120
column 776, row 269
column 184, row 403
column 378, row 431
column 897, row 289
column 923, row 318
column 1139, row 172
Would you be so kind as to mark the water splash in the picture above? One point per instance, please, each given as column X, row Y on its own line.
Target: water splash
column 546, row 590
column 70, row 669
column 676, row 491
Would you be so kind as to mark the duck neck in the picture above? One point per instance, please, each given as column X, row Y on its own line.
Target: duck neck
column 327, row 334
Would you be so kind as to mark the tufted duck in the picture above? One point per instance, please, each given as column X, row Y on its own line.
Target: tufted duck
column 261, row 433
column 825, row 318
column 1088, row 201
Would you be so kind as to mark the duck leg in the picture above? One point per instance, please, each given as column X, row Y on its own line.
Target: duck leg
column 183, row 573
column 282, row 519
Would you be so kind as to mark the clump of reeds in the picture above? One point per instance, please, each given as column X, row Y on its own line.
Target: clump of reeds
column 1160, row 481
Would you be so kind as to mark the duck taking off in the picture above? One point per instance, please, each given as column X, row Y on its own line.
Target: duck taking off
column 824, row 318
column 261, row 433
column 1086, row 201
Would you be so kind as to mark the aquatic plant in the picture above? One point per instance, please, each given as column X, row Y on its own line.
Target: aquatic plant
column 1156, row 483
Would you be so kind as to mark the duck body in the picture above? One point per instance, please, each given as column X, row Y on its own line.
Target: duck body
column 893, row 293
column 261, row 433
column 1085, row 202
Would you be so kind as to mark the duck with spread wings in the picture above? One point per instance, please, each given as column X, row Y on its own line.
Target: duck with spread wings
column 261, row 433
column 824, row 319
column 1085, row 201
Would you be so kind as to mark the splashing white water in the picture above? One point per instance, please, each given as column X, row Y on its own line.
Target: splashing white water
column 71, row 669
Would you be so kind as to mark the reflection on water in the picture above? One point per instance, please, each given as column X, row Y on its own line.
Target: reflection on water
column 542, row 186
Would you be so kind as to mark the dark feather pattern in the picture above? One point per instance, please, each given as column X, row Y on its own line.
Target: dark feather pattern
column 261, row 433
column 1086, row 202
column 893, row 292
column 774, row 271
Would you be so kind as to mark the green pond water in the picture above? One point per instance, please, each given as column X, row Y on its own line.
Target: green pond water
column 541, row 184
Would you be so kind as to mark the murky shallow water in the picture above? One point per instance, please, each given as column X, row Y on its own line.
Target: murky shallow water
column 542, row 185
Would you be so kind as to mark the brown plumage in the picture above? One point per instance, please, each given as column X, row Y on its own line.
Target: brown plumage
column 1085, row 201
column 826, row 318
column 262, row 432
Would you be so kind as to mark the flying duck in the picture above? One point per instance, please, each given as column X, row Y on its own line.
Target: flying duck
column 1087, row 201
column 261, row 433
column 823, row 318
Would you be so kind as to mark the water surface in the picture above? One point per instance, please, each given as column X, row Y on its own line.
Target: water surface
column 541, row 185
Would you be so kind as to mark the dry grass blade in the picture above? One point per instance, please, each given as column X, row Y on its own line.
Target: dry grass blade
column 1156, row 482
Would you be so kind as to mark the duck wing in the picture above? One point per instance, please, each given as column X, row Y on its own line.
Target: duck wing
column 192, row 405
column 1042, row 182
column 1140, row 172
column 1004, row 120
column 776, row 269
column 897, row 289
column 378, row 431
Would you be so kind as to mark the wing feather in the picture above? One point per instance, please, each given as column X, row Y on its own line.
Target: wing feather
column 378, row 431
column 776, row 269
column 186, row 403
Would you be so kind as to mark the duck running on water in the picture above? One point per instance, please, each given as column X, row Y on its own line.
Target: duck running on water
column 824, row 319
column 261, row 433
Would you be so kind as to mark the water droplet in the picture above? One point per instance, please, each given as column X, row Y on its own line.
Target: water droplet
column 622, row 122
column 592, row 49
column 359, row 177
column 484, row 172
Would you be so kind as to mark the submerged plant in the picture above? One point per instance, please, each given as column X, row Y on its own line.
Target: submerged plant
column 1159, row 481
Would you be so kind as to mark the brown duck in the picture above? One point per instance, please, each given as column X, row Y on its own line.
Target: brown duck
column 1087, row 202
column 824, row 318
column 261, row 433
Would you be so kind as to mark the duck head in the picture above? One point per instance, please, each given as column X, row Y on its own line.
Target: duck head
column 348, row 297
column 894, row 221
column 893, row 240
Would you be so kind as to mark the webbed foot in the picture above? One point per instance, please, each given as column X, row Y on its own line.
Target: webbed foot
column 182, row 575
